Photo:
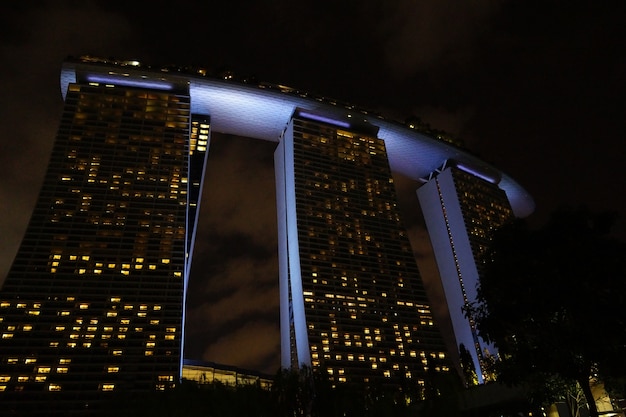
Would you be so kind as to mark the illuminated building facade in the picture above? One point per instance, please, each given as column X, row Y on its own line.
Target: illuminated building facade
column 202, row 373
column 94, row 301
column 462, row 206
column 351, row 294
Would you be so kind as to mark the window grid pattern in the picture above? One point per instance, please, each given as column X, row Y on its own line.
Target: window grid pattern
column 367, row 313
column 93, row 301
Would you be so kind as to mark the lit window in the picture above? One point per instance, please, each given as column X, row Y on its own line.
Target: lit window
column 62, row 369
column 54, row 387
column 113, row 369
column 108, row 387
column 5, row 378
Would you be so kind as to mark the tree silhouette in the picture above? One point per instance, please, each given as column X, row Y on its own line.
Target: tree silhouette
column 552, row 301
column 468, row 367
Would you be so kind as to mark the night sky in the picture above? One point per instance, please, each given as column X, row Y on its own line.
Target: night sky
column 537, row 88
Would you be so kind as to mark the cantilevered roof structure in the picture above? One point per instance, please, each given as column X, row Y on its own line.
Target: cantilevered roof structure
column 261, row 111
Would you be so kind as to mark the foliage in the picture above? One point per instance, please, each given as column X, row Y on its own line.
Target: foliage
column 552, row 301
column 468, row 367
column 295, row 393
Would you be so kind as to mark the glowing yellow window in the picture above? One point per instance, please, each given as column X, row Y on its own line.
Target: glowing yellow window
column 43, row 369
column 113, row 369
column 65, row 360
column 112, row 314
column 5, row 378
column 5, row 304
column 22, row 378
column 62, row 369
column 84, row 306
column 108, row 387
column 12, row 361
column 169, row 337
column 117, row 352
column 7, row 335
column 54, row 387
column 149, row 353
column 27, row 328
column 41, row 378
column 153, row 322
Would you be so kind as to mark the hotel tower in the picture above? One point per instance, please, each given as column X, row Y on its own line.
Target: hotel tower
column 462, row 206
column 93, row 304
column 94, row 301
column 351, row 294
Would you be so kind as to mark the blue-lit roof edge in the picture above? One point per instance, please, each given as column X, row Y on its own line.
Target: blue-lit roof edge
column 410, row 152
